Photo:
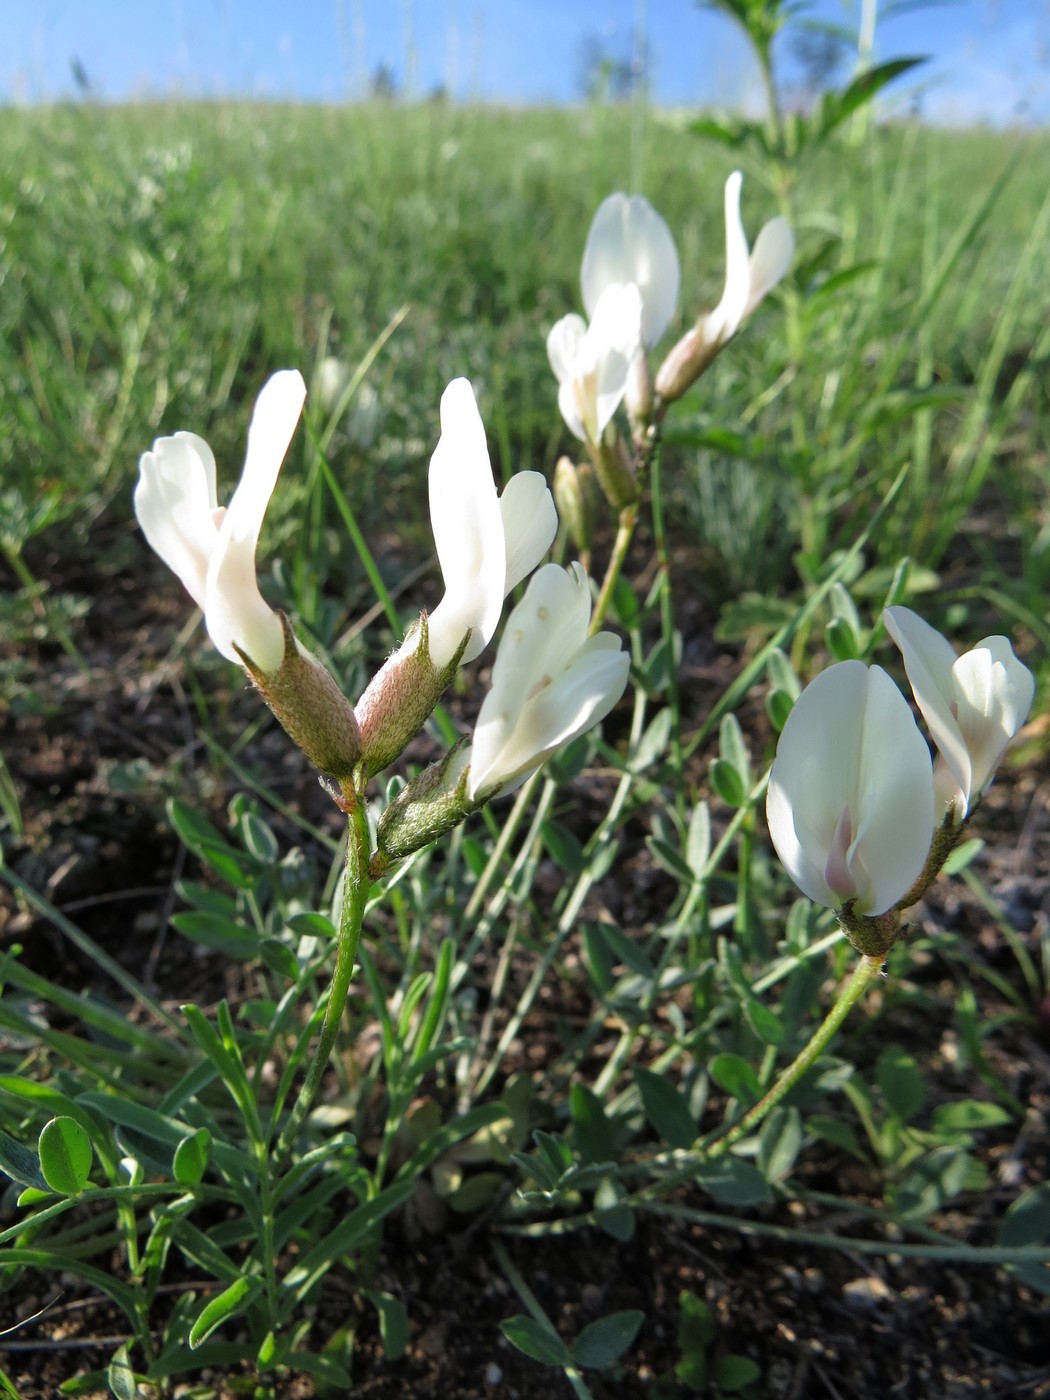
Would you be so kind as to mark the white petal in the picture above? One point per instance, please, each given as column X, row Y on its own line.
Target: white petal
column 616, row 323
column 630, row 242
column 851, row 762
column 929, row 660
column 769, row 262
column 175, row 504
column 468, row 530
column 995, row 693
column 569, row 402
column 727, row 315
column 530, row 522
column 610, row 345
column 541, row 635
column 234, row 608
column 814, row 775
column 563, row 345
column 894, row 811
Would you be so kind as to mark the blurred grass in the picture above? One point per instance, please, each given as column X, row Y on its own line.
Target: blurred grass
column 158, row 262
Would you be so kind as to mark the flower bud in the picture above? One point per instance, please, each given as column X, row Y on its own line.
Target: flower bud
column 685, row 363
column 310, row 707
column 432, row 804
column 400, row 697
column 639, row 396
column 616, row 475
column 576, row 496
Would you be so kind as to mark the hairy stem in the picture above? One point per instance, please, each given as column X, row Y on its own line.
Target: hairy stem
column 355, row 895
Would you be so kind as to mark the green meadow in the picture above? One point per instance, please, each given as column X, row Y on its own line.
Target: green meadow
column 558, row 1086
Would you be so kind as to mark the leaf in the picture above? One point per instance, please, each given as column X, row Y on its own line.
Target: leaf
column 279, row 958
column 779, row 705
column 763, row 1021
column 733, row 1374
column 393, row 1322
column 653, row 743
column 1028, row 1219
column 564, row 847
column 199, row 836
column 733, row 747
column 967, row 1115
column 332, row 1374
column 231, row 1302
column 734, row 1075
column 220, row 934
column 477, row 1192
column 537, row 1340
column 698, row 840
column 603, row 1342
column 191, row 1158
column 669, row 860
column 836, row 1132
column 65, row 1156
column 259, row 840
column 836, row 107
column 779, row 1143
column 934, row 1180
column 473, row 1121
column 727, row 782
column 900, row 1080
column 347, row 1235
column 731, row 134
column 594, row 1134
column 665, row 1108
column 962, row 856
column 841, row 640
column 627, row 951
column 20, row 1163
column 120, row 1377
column 734, row 1182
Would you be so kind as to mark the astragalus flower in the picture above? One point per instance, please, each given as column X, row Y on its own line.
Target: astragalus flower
column 629, row 243
column 750, row 276
column 850, row 801
column 550, row 682
column 973, row 704
column 212, row 548
column 591, row 362
column 486, row 544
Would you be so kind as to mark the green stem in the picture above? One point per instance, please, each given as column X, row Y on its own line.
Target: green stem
column 667, row 624
column 863, row 974
column 355, row 896
column 622, row 543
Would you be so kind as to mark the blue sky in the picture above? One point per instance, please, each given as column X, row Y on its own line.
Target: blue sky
column 990, row 58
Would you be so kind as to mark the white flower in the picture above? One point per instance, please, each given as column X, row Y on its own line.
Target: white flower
column 591, row 363
column 749, row 278
column 974, row 704
column 485, row 543
column 850, row 801
column 212, row 548
column 550, row 682
column 629, row 242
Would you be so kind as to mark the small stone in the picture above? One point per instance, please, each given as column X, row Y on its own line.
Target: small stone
column 591, row 1297
column 493, row 1374
column 866, row 1293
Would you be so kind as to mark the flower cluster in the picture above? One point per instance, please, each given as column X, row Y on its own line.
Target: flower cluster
column 860, row 815
column 629, row 283
column 551, row 680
